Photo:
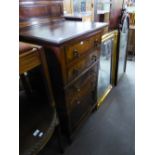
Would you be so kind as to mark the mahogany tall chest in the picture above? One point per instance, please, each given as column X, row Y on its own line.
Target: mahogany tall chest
column 72, row 51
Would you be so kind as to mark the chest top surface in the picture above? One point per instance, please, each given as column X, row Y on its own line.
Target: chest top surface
column 59, row 33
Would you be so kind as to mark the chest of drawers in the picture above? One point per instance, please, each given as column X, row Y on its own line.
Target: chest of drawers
column 73, row 59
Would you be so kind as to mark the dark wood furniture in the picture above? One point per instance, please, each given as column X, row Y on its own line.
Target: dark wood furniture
column 36, row 104
column 131, row 38
column 131, row 42
column 73, row 17
column 72, row 51
column 84, row 17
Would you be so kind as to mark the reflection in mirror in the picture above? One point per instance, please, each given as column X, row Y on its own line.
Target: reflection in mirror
column 105, row 67
column 122, row 49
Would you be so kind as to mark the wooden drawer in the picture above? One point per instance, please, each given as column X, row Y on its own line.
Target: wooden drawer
column 81, row 109
column 75, row 51
column 78, row 49
column 28, row 60
column 83, row 86
column 97, row 40
column 83, row 64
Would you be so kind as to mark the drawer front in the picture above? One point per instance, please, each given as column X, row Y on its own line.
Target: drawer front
column 81, row 109
column 28, row 60
column 75, row 51
column 83, row 86
column 83, row 64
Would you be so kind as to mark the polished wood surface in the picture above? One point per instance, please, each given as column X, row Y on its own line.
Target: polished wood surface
column 38, row 8
column 131, row 41
column 73, row 18
column 74, row 51
column 60, row 33
column 81, row 96
column 28, row 60
column 84, row 63
column 132, row 18
column 79, row 17
column 34, row 12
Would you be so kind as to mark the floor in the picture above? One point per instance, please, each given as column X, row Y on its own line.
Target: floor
column 111, row 129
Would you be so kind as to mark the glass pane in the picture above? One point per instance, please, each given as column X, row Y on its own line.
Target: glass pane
column 122, row 49
column 105, row 66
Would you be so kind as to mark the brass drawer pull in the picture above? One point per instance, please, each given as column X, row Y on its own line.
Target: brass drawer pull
column 78, row 89
column 76, row 53
column 94, row 58
column 96, row 43
column 78, row 102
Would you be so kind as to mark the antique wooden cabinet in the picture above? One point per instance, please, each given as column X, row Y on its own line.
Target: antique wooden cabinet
column 72, row 51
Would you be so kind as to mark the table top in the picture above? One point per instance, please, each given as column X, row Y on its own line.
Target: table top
column 59, row 33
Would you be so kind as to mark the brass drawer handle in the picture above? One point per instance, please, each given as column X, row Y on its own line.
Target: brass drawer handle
column 96, row 43
column 94, row 58
column 76, row 53
column 78, row 89
column 78, row 102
